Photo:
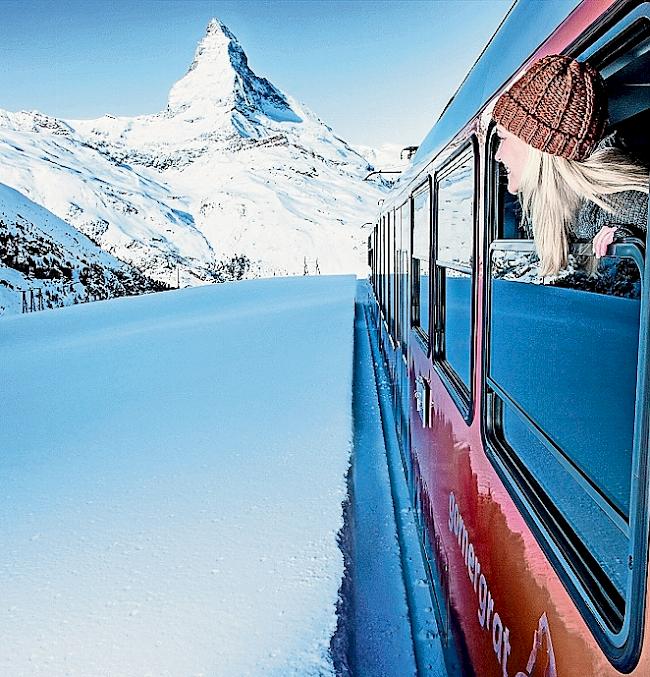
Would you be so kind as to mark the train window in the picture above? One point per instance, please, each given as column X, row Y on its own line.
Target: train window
column 374, row 259
column 382, row 263
column 378, row 263
column 391, row 273
column 403, row 306
column 379, row 255
column 561, row 418
column 508, row 209
column 455, row 190
column 397, row 226
column 421, row 243
column 622, row 55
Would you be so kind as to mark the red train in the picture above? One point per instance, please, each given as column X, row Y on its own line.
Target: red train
column 521, row 402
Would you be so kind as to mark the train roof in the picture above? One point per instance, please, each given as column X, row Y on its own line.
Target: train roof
column 524, row 29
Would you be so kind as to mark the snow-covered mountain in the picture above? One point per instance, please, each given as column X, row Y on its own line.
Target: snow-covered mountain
column 53, row 263
column 232, row 170
column 389, row 157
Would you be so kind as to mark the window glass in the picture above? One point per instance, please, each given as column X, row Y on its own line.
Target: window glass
column 508, row 208
column 380, row 253
column 454, row 261
column 563, row 364
column 397, row 228
column 456, row 214
column 457, row 302
column 384, row 263
column 405, row 221
column 421, row 249
column 391, row 272
column 375, row 251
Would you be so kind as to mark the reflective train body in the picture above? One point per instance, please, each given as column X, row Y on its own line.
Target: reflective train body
column 521, row 402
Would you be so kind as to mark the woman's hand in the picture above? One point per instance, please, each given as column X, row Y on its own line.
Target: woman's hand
column 603, row 238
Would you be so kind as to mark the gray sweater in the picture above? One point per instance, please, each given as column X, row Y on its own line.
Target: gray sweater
column 630, row 216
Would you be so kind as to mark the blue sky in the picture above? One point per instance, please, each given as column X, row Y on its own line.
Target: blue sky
column 377, row 71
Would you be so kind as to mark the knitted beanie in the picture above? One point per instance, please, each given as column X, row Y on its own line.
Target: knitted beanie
column 558, row 106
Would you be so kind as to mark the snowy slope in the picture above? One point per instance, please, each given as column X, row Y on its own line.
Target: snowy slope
column 170, row 511
column 232, row 166
column 41, row 253
column 388, row 157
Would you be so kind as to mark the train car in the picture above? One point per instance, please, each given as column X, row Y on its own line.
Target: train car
column 521, row 401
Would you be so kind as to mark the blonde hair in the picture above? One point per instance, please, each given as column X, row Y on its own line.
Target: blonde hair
column 552, row 188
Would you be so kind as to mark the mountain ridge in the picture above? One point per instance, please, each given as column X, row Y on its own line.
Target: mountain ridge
column 182, row 192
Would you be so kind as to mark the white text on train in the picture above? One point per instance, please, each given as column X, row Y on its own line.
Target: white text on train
column 487, row 614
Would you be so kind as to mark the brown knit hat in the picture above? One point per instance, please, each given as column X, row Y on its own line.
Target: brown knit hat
column 558, row 106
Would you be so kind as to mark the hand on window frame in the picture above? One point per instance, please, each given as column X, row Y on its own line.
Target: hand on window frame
column 603, row 238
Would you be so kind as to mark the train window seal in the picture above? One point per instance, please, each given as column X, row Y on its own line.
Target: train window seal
column 622, row 647
column 462, row 395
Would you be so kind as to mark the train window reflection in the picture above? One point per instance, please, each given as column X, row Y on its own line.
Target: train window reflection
column 390, row 295
column 403, row 305
column 420, row 264
column 562, row 384
column 454, row 261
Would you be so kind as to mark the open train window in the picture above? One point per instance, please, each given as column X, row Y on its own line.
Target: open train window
column 508, row 216
column 455, row 189
column 561, row 419
column 421, row 241
column 566, row 430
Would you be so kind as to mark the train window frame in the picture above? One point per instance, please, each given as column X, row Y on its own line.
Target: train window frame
column 464, row 397
column 622, row 647
column 422, row 337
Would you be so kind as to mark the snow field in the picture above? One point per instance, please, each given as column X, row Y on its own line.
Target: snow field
column 173, row 477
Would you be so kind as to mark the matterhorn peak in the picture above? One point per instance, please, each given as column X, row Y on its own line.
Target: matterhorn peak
column 220, row 82
column 216, row 45
column 216, row 27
